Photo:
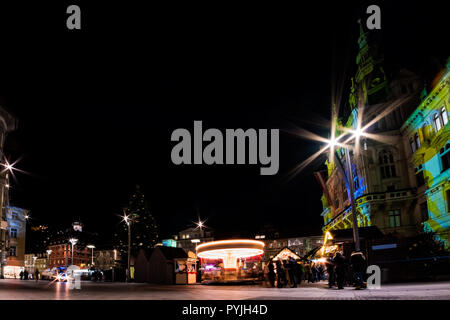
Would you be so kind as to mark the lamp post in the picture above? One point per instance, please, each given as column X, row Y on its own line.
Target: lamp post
column 49, row 252
column 34, row 266
column 73, row 241
column 349, row 177
column 127, row 220
column 92, row 247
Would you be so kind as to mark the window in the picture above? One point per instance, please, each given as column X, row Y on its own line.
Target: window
column 448, row 200
column 445, row 158
column 424, row 211
column 413, row 147
column 12, row 251
column 444, row 116
column 387, row 165
column 417, row 140
column 420, row 178
column 437, row 122
column 394, row 218
column 13, row 233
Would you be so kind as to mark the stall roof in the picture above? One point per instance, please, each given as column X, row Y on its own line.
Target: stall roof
column 286, row 251
column 371, row 232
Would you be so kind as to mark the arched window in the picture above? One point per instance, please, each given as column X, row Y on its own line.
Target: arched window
column 411, row 143
column 387, row 165
column 417, row 140
column 444, row 116
column 437, row 122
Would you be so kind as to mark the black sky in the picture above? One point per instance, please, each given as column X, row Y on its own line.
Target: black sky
column 97, row 106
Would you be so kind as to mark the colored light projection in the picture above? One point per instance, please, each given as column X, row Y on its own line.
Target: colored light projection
column 428, row 130
column 229, row 251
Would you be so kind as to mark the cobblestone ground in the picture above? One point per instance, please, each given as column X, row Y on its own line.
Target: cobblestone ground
column 43, row 290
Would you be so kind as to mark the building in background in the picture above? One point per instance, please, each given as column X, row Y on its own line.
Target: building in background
column 426, row 136
column 106, row 259
column 401, row 173
column 188, row 239
column 61, row 247
column 17, row 220
column 8, row 123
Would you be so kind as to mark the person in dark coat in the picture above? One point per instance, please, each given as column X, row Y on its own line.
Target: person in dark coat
column 271, row 274
column 293, row 272
column 25, row 275
column 280, row 275
column 330, row 271
column 359, row 265
column 300, row 269
column 36, row 274
column 339, row 268
column 21, row 275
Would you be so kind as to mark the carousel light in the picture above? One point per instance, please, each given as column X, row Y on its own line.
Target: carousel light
column 229, row 251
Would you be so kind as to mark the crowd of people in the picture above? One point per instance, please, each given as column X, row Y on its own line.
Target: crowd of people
column 338, row 270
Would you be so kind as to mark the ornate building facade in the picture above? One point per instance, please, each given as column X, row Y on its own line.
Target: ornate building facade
column 7, row 124
column 426, row 136
column 388, row 193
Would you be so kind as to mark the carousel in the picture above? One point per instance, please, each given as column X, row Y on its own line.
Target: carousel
column 230, row 260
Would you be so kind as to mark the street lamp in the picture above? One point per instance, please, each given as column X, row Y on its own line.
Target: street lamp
column 92, row 247
column 349, row 177
column 73, row 241
column 34, row 266
column 49, row 252
column 127, row 220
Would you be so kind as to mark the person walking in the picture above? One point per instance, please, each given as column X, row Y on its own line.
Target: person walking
column 36, row 274
column 287, row 278
column 359, row 265
column 330, row 272
column 280, row 274
column 300, row 269
column 271, row 274
column 21, row 274
column 25, row 275
column 339, row 268
column 308, row 273
column 303, row 271
column 293, row 272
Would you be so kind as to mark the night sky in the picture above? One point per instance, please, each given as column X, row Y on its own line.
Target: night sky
column 97, row 106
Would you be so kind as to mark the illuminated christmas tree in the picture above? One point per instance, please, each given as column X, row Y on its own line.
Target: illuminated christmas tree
column 144, row 231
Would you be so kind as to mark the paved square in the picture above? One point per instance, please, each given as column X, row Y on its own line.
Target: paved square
column 11, row 289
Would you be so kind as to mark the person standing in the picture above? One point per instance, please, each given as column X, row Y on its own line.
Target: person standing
column 330, row 271
column 36, row 274
column 280, row 274
column 339, row 268
column 21, row 274
column 359, row 265
column 293, row 272
column 271, row 274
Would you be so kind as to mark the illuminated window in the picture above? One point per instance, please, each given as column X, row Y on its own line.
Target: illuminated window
column 394, row 218
column 411, row 143
column 437, row 122
column 417, row 140
column 444, row 116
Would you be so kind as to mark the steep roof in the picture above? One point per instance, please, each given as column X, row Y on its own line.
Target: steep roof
column 172, row 253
